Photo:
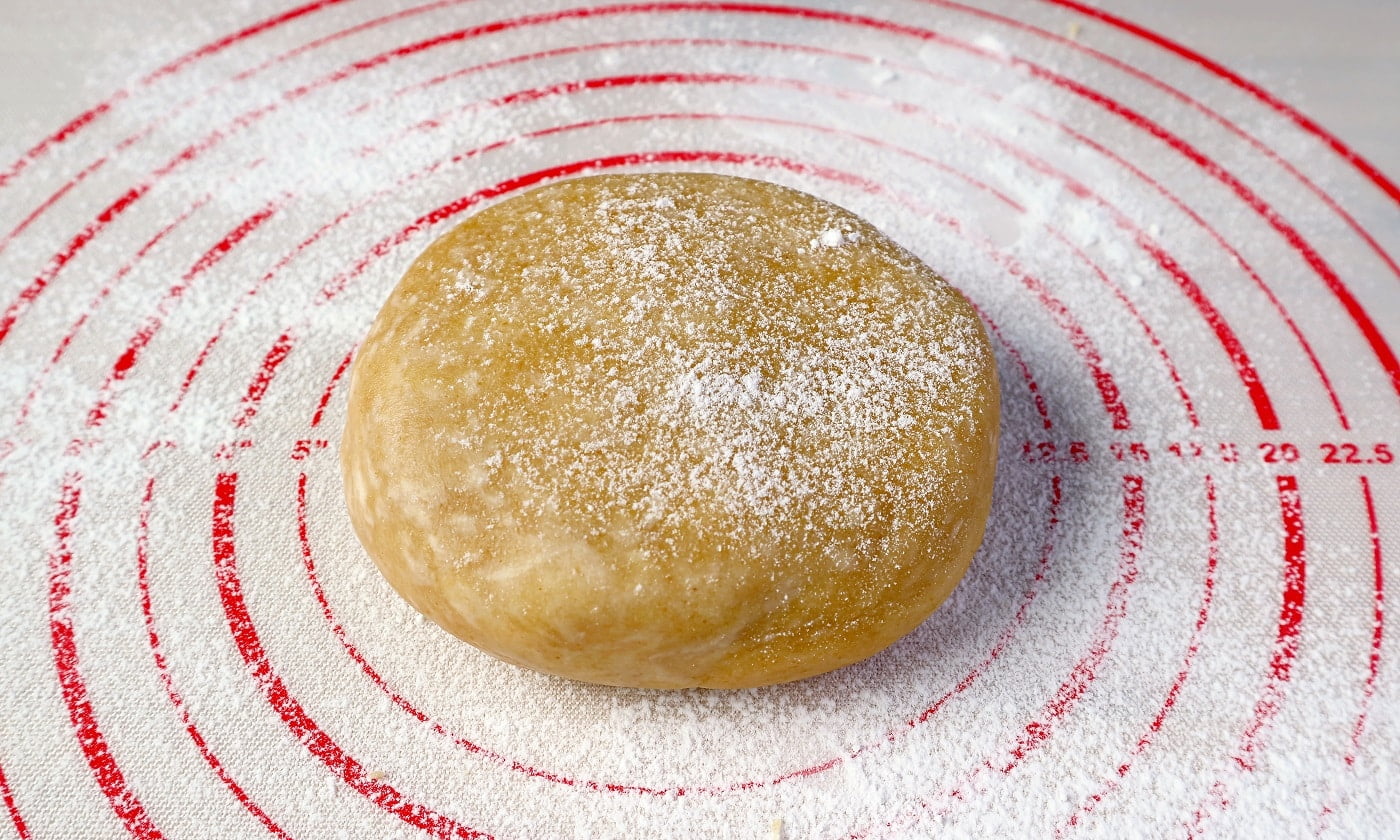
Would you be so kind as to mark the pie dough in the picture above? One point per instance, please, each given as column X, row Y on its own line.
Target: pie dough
column 670, row 430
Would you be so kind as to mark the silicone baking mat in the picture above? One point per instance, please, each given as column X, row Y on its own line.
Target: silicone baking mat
column 1176, row 625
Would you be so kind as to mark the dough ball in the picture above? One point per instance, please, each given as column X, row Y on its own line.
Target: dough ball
column 670, row 430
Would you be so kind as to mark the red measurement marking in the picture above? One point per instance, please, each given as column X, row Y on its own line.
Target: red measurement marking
column 1189, row 449
column 72, row 127
column 300, row 724
column 64, row 256
column 50, row 201
column 257, row 389
column 1280, row 453
column 1350, row 453
column 11, row 808
column 143, row 583
column 77, row 446
column 1290, row 625
column 1193, row 647
column 128, row 359
column 1193, row 450
column 1080, row 340
column 97, row 300
column 253, row 291
column 1036, row 397
column 1048, row 452
column 1037, row 732
column 91, row 742
column 1130, row 451
column 1378, row 627
column 330, row 387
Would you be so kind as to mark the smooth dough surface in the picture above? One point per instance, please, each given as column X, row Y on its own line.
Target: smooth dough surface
column 670, row 430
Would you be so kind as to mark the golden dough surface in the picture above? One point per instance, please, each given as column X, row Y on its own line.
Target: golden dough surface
column 671, row 430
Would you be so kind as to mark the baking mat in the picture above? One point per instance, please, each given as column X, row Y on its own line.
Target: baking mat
column 1176, row 626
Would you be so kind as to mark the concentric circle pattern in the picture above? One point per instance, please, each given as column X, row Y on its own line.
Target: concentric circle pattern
column 1176, row 626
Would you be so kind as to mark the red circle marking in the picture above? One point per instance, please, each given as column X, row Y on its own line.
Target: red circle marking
column 44, row 205
column 1037, row 398
column 1290, row 622
column 330, row 386
column 107, row 288
column 1090, row 802
column 129, row 357
column 1378, row 628
column 91, row 742
column 11, row 808
column 301, row 725
column 1368, row 689
column 176, row 700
